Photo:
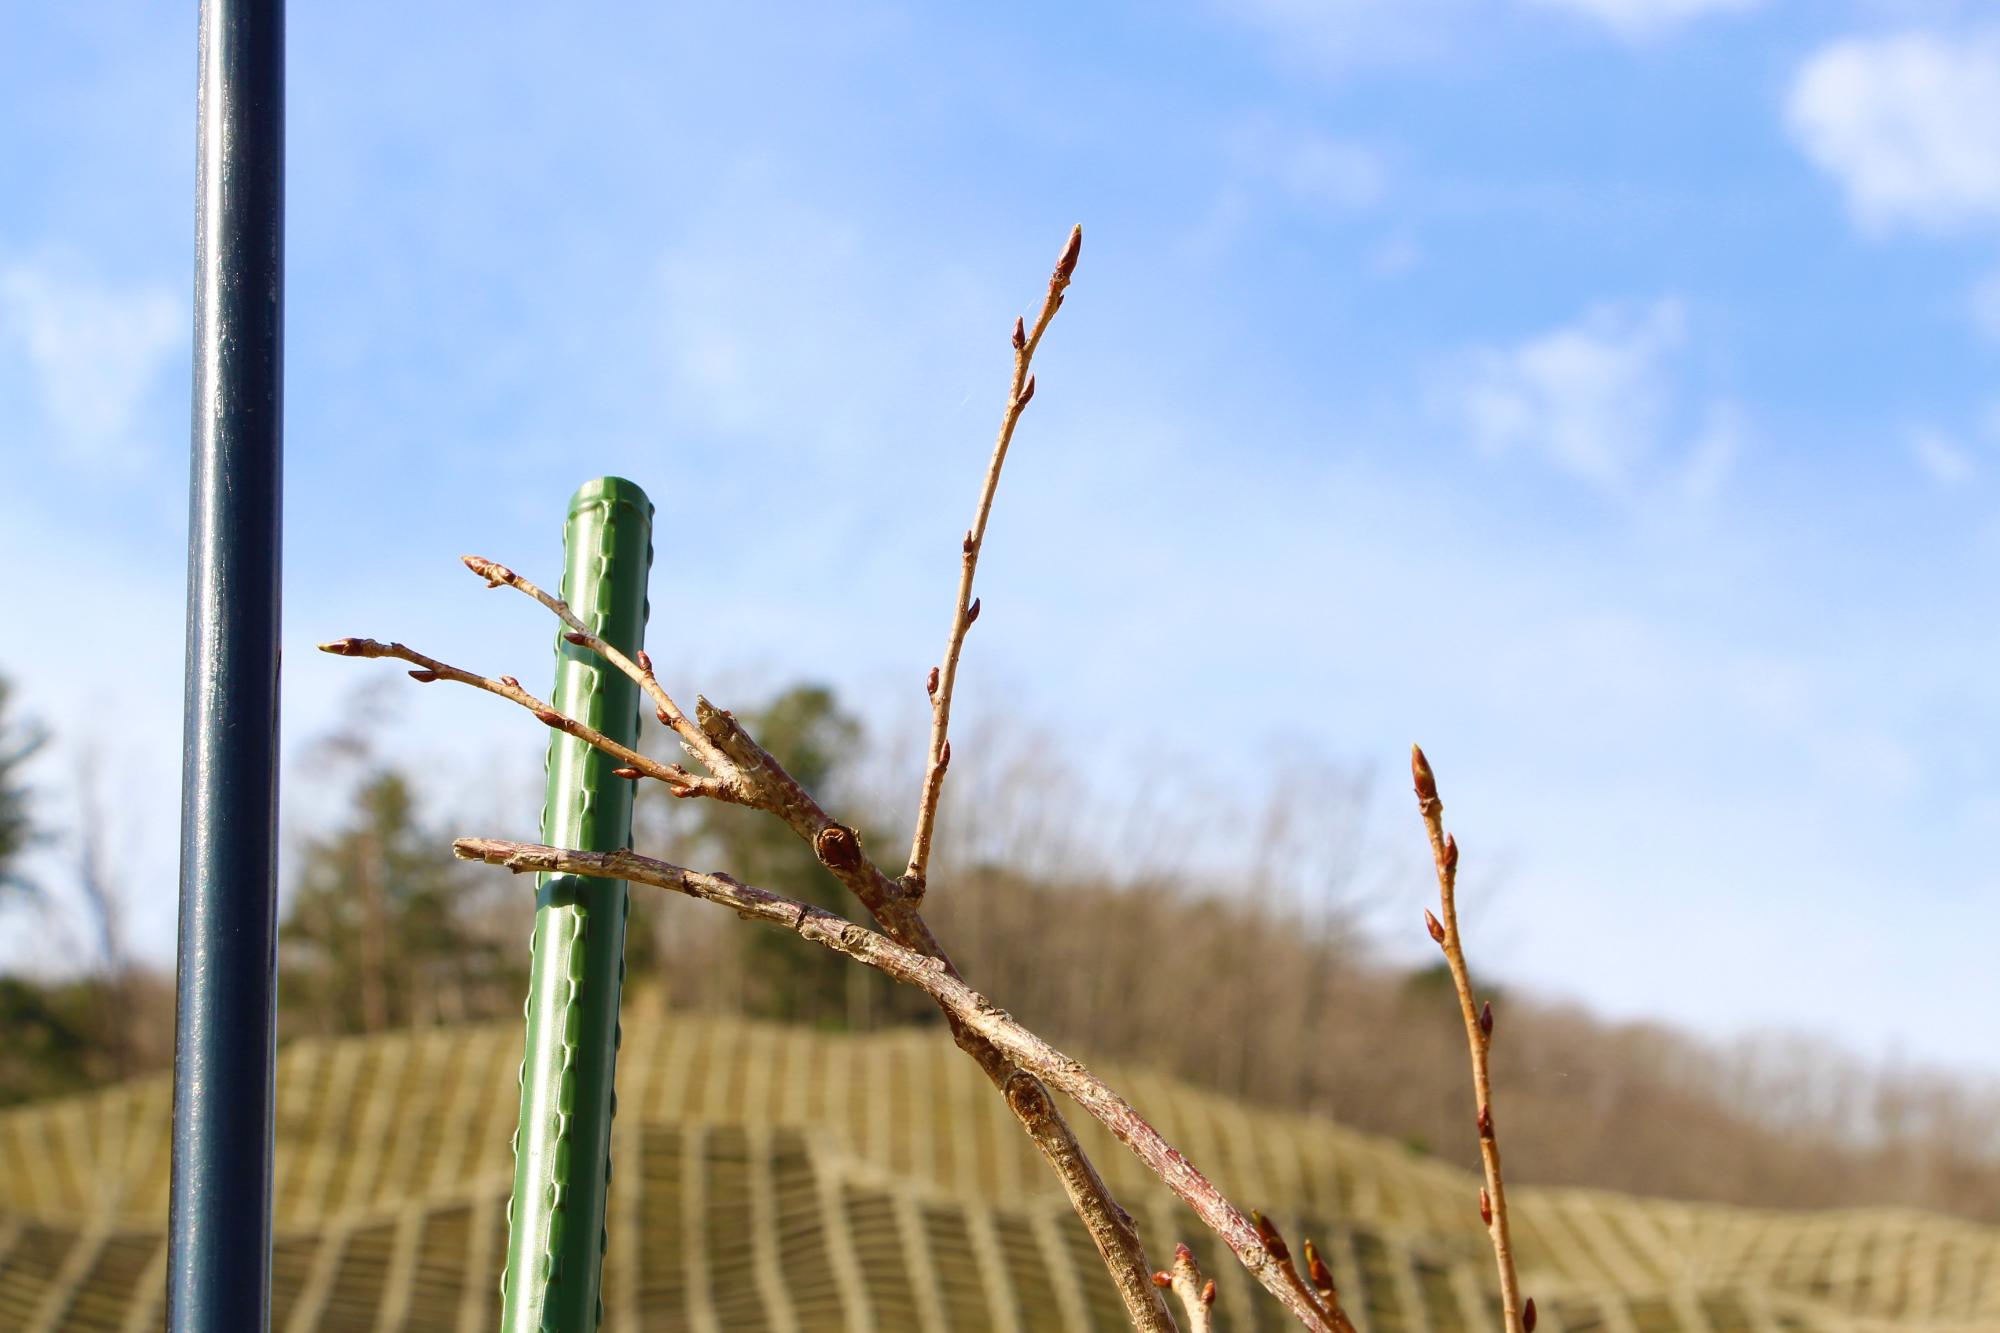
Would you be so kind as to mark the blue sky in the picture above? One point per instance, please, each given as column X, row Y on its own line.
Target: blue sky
column 1602, row 392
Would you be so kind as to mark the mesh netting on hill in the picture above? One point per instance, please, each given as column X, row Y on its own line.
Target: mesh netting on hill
column 770, row 1178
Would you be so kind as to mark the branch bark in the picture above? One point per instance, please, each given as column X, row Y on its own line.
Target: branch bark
column 977, row 1014
column 944, row 677
column 1478, row 1038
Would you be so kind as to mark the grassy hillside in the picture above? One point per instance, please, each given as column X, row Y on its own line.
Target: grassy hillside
column 774, row 1178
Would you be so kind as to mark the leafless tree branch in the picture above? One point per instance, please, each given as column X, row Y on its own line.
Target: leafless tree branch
column 1195, row 1292
column 1029, row 1053
column 1519, row 1318
column 944, row 677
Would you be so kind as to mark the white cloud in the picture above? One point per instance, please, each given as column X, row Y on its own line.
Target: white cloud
column 1908, row 125
column 1941, row 456
column 1599, row 397
column 94, row 352
column 1715, row 449
column 1638, row 19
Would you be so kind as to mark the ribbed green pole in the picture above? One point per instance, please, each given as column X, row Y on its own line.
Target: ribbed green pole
column 562, row 1147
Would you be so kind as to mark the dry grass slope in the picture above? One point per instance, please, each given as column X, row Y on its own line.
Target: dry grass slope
column 770, row 1178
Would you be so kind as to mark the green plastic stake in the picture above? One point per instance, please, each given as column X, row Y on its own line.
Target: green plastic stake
column 562, row 1147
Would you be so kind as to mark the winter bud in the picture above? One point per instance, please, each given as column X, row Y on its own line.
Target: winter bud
column 1420, row 770
column 1072, row 248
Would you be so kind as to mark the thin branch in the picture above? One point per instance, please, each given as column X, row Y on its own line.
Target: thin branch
column 750, row 775
column 1322, row 1294
column 1478, row 1038
column 1196, row 1292
column 974, row 1011
column 640, row 671
column 945, row 676
column 1111, row 1229
column 428, row 669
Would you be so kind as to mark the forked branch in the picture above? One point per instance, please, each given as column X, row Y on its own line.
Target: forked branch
column 1270, row 1265
column 1195, row 1292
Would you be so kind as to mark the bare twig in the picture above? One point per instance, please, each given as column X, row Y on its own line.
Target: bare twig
column 640, row 671
column 1478, row 1038
column 945, row 676
column 750, row 775
column 1112, row 1228
column 428, row 669
column 1322, row 1294
column 977, row 1014
column 1196, row 1292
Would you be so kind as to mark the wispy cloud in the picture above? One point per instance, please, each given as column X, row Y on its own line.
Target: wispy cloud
column 1908, row 125
column 1335, row 35
column 93, row 352
column 1942, row 457
column 1600, row 398
column 1637, row 20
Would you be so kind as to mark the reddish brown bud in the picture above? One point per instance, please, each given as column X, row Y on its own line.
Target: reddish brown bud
column 1450, row 854
column 837, row 847
column 1020, row 334
column 1208, row 1292
column 1162, row 1280
column 944, row 756
column 661, row 714
column 1528, row 1315
column 1027, row 393
column 628, row 774
column 549, row 717
column 425, row 675
column 1273, row 1242
column 1486, row 1018
column 1072, row 248
column 511, row 682
column 578, row 638
column 645, row 661
column 1432, row 924
column 1485, row 1206
column 972, row 612
column 931, row 683
column 492, row 571
column 1316, row 1269
column 1182, row 1254
column 1485, row 1122
column 343, row 647
column 1420, row 770
column 966, row 546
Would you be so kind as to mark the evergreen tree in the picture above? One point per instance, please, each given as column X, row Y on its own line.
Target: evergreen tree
column 18, row 743
column 788, row 978
column 381, row 930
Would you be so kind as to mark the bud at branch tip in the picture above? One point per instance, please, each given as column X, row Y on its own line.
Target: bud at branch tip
column 1420, row 771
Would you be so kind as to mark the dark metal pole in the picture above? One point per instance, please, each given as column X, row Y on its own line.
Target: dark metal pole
column 219, row 1265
